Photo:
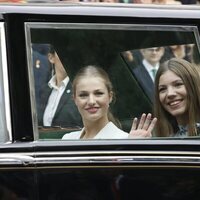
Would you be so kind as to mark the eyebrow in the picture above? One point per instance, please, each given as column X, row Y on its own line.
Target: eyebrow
column 87, row 91
column 173, row 82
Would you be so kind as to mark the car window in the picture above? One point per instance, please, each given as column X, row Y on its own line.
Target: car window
column 116, row 48
column 5, row 127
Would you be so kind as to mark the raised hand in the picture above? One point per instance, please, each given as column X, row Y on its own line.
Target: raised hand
column 144, row 128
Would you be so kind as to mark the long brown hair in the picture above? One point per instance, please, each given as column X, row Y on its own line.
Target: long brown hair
column 167, row 124
column 95, row 71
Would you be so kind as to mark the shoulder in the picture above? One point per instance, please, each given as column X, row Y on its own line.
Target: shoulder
column 72, row 135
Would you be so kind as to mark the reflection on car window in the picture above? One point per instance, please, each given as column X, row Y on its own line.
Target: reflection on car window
column 119, row 50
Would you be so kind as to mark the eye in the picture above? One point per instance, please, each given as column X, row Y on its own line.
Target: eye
column 179, row 84
column 83, row 95
column 99, row 93
column 162, row 89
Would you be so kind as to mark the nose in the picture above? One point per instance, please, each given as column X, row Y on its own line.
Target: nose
column 171, row 92
column 91, row 100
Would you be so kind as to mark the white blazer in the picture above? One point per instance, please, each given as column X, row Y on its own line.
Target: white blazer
column 110, row 131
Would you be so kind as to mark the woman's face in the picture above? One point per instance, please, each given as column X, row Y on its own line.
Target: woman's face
column 92, row 98
column 173, row 95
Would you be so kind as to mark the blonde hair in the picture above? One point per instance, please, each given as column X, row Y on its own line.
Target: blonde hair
column 94, row 71
column 167, row 124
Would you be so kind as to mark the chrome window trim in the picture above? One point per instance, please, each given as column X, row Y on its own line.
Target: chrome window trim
column 103, row 26
column 89, row 26
column 31, row 83
column 5, row 80
column 92, row 159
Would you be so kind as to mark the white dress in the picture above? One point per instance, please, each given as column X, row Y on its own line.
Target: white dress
column 110, row 131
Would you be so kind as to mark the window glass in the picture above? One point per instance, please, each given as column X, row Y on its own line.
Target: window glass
column 116, row 48
column 5, row 128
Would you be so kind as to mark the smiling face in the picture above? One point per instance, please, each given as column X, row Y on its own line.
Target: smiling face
column 173, row 96
column 92, row 99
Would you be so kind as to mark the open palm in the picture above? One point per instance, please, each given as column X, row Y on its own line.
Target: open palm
column 144, row 128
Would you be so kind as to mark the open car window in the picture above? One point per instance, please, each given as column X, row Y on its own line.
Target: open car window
column 117, row 48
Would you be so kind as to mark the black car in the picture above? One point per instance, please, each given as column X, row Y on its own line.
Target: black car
column 35, row 163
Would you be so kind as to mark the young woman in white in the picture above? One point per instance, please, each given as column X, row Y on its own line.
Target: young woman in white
column 93, row 92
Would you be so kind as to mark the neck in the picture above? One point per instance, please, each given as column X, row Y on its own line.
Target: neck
column 183, row 120
column 93, row 128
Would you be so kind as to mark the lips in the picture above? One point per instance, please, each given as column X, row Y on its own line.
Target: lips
column 92, row 110
column 174, row 103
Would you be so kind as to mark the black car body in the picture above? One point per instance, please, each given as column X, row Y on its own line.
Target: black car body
column 34, row 162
